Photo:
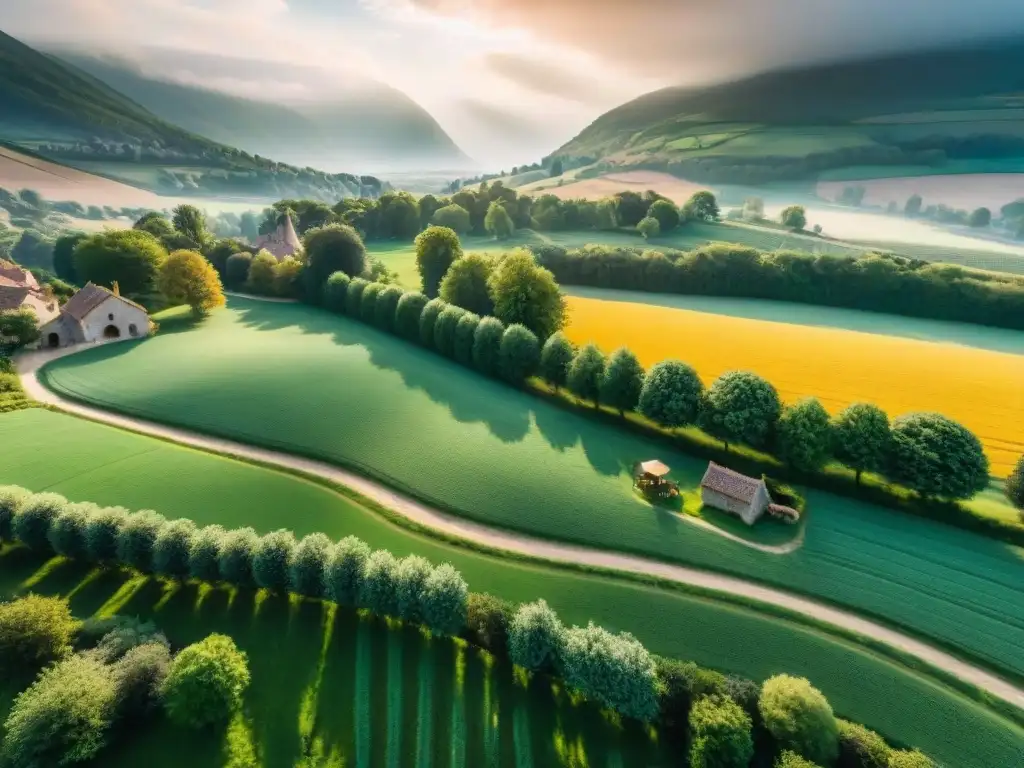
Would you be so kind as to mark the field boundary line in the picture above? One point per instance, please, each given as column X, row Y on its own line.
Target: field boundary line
column 451, row 525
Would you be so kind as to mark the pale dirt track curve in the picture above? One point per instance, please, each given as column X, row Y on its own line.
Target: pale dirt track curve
column 495, row 538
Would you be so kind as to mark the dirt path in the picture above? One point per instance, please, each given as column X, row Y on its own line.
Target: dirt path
column 451, row 525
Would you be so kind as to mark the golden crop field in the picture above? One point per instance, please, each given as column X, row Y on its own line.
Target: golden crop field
column 982, row 389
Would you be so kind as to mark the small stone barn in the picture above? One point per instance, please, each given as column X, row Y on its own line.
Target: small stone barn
column 95, row 314
column 729, row 491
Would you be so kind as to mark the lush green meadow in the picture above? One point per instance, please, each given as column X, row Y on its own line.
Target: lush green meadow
column 304, row 381
column 40, row 449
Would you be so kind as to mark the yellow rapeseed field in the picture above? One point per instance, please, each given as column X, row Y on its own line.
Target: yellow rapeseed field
column 981, row 389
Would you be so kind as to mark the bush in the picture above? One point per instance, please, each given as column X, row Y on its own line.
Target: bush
column 487, row 345
column 443, row 601
column 719, row 734
column 454, row 217
column 272, row 559
column 343, row 575
column 379, row 589
column 12, row 499
column 465, row 284
column 411, row 576
column 235, row 560
column 622, row 381
column 308, row 565
column 368, row 302
column 31, row 524
column 665, row 213
column 487, row 622
column 204, row 554
column 236, row 271
column 444, row 330
column 386, row 306
column 137, row 537
column 35, row 631
column 936, row 457
column 63, row 718
column 206, row 683
column 436, row 249
column 172, row 548
column 1014, row 486
column 671, row 394
column 535, row 637
column 804, row 435
column 861, row 438
column 407, row 315
column 67, row 533
column 518, row 354
column 329, row 249
column 746, row 693
column 586, row 372
column 527, row 294
column 683, row 683
column 861, row 748
column 790, row 759
column 336, row 292
column 648, row 227
column 103, row 532
column 139, row 675
column 465, row 335
column 799, row 718
column 740, row 407
column 794, row 216
column 428, row 319
column 909, row 759
column 123, row 633
column 353, row 298
column 556, row 357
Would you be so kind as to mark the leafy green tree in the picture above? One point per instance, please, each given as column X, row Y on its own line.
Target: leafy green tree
column 386, row 306
column 272, row 560
column 127, row 257
column 249, row 226
column 487, row 345
column 444, row 600
column 31, row 524
column 206, row 683
column 804, row 435
column 720, row 734
column 12, row 499
column 103, row 532
column 665, row 213
column 261, row 274
column 444, row 330
column 795, row 217
column 798, row 717
column 137, row 537
column 1015, row 486
column 63, row 255
column 63, row 718
column 308, row 565
column 236, row 556
column 899, row 758
column 379, row 588
column 497, row 222
column 236, row 269
column 790, row 759
column 740, row 407
column 67, row 531
column 535, row 637
column 191, row 222
column 34, row 250
column 630, row 208
column 288, row 274
column 35, row 631
column 671, row 395
column 399, row 215
column 465, row 284
column 411, row 575
column 913, row 206
column 623, row 381
column 586, row 373
column 437, row 248
column 861, row 748
column 648, row 227
column 684, row 683
column 428, row 319
column 702, row 206
column 861, row 437
column 343, row 575
column 527, row 294
column 368, row 302
column 465, row 337
column 330, row 249
column 936, row 456
column 487, row 621
column 518, row 354
column 557, row 168
column 140, row 674
column 172, row 547
column 556, row 358
column 408, row 313
column 336, row 292
column 204, row 554
column 980, row 218
column 453, row 217
column 19, row 327
column 185, row 277
column 218, row 253
column 354, row 297
column 155, row 223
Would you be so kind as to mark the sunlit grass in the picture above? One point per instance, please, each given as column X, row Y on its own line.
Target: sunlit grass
column 124, row 593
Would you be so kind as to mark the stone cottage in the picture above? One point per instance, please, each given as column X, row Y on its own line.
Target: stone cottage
column 729, row 491
column 20, row 290
column 95, row 314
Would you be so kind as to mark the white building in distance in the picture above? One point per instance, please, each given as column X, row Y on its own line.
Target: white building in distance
column 95, row 314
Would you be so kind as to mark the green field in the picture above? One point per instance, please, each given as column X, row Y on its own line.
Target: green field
column 40, row 449
column 304, row 381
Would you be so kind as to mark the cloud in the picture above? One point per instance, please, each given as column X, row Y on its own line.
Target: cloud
column 550, row 78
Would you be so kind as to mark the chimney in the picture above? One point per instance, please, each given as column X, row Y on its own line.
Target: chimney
column 117, row 289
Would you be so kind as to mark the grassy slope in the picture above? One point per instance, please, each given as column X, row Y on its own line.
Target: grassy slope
column 269, row 373
column 76, row 457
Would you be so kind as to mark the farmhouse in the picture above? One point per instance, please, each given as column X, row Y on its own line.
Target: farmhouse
column 94, row 314
column 729, row 491
column 282, row 242
column 20, row 290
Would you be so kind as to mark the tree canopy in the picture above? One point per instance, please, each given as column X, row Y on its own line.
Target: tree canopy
column 936, row 456
column 191, row 222
column 555, row 359
column 437, row 248
column 330, row 249
column 798, row 717
column 794, row 216
column 206, row 682
column 666, row 214
column 453, row 217
column 648, row 227
column 720, row 734
column 861, row 437
column 527, row 294
column 804, row 435
column 498, row 222
column 465, row 284
column 188, row 278
column 1015, row 486
column 702, row 206
column 671, row 394
column 586, row 373
column 740, row 407
column 128, row 257
column 622, row 382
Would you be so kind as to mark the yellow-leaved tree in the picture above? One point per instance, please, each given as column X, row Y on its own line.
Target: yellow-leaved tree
column 186, row 277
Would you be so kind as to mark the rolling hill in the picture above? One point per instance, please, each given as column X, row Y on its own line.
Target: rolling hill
column 920, row 108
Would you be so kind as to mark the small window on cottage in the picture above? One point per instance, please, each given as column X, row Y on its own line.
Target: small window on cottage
column 132, row 330
column 110, row 316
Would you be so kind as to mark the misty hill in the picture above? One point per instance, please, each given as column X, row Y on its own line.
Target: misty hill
column 369, row 125
column 919, row 108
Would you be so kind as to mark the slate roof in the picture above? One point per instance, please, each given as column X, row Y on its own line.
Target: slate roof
column 730, row 483
column 12, row 296
column 12, row 273
column 87, row 299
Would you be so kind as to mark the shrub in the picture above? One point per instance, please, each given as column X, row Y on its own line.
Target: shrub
column 236, row 271
column 648, row 227
column 103, row 532
column 861, row 748
column 437, row 248
column 935, row 456
column 172, row 547
column 204, row 554
column 139, row 675
column 518, row 354
column 556, row 357
column 740, row 407
column 671, row 394
column 535, row 637
column 799, row 718
column 336, row 292
column 308, row 565
column 343, row 574
column 443, row 600
column 622, row 381
column 411, row 575
column 861, row 438
column 452, row 216
column 387, row 305
column 379, row 589
column 1014, row 486
column 719, row 734
column 123, row 633
column 794, row 216
column 487, row 621
column 527, row 294
column 35, row 631
column 206, row 683
column 487, row 345
column 465, row 335
column 272, row 559
column 790, row 759
column 909, row 759
column 63, row 718
column 31, row 525
column 465, row 284
column 444, row 330
column 683, row 683
column 67, row 533
column 137, row 537
column 237, row 552
column 804, row 435
column 614, row 670
column 12, row 498
column 746, row 693
column 368, row 302
column 407, row 315
column 329, row 249
column 354, row 295
column 428, row 319
column 586, row 372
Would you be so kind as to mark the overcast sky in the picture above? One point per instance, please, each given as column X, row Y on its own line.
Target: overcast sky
column 510, row 80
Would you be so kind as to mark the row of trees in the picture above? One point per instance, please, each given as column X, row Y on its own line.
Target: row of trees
column 723, row 715
column 103, row 678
